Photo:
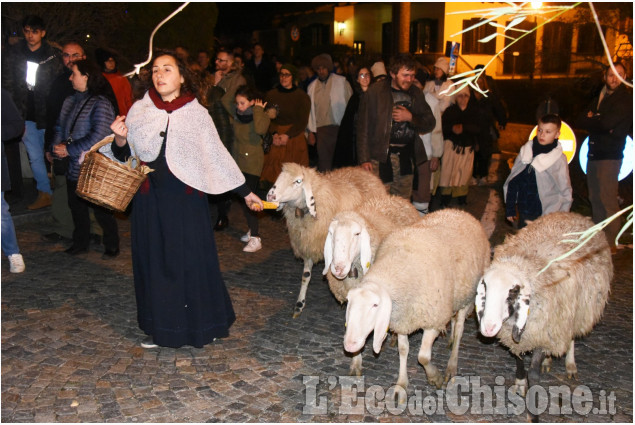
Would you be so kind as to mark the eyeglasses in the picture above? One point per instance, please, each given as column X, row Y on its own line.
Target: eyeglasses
column 364, row 75
column 283, row 75
column 221, row 60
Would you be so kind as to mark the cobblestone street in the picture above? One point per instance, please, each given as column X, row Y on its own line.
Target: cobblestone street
column 70, row 347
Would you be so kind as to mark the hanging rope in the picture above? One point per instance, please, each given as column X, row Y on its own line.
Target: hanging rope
column 138, row 67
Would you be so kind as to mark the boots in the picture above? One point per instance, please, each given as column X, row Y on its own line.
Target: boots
column 43, row 200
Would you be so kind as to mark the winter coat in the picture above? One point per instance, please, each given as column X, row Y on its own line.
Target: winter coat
column 93, row 124
column 375, row 122
column 340, row 92
column 247, row 149
column 14, row 77
column 12, row 127
column 552, row 178
column 609, row 125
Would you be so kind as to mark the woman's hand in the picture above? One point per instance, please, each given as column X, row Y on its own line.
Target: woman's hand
column 283, row 139
column 120, row 130
column 259, row 102
column 60, row 150
column 253, row 202
column 312, row 139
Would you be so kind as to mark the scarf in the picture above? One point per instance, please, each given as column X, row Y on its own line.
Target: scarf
column 543, row 160
column 538, row 149
column 245, row 117
column 194, row 152
column 172, row 105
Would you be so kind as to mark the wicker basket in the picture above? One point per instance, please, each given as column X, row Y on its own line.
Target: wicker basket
column 105, row 182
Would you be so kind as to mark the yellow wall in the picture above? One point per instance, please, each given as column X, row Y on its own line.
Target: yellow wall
column 454, row 25
column 345, row 14
column 369, row 18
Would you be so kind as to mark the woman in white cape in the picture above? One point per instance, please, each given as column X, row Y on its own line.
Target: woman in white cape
column 180, row 293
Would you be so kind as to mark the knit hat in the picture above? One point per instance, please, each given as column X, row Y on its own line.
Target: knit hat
column 378, row 69
column 443, row 64
column 292, row 69
column 322, row 60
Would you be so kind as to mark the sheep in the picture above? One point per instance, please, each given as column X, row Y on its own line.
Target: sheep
column 309, row 200
column 543, row 312
column 424, row 276
column 352, row 240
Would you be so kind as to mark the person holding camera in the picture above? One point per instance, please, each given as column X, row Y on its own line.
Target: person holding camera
column 85, row 120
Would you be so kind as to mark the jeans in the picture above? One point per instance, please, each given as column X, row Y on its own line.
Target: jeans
column 33, row 140
column 9, row 239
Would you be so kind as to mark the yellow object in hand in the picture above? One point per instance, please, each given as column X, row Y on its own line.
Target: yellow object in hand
column 269, row 205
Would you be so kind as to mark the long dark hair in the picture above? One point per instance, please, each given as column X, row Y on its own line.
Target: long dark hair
column 191, row 82
column 97, row 84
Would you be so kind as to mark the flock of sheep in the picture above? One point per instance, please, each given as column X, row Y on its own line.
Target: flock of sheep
column 401, row 272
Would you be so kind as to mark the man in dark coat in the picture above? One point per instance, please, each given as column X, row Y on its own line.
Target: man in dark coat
column 608, row 119
column 28, row 69
column 391, row 115
column 262, row 69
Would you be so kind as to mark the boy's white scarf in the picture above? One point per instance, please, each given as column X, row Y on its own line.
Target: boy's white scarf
column 542, row 161
column 194, row 151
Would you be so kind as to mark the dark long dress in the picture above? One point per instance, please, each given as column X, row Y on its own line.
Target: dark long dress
column 181, row 295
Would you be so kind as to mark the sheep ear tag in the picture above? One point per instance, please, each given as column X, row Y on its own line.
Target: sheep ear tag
column 365, row 252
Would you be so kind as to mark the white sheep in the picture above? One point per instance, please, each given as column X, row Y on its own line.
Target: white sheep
column 309, row 200
column 352, row 240
column 543, row 313
column 423, row 277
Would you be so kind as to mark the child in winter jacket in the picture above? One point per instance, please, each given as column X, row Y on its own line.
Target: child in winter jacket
column 539, row 180
column 250, row 123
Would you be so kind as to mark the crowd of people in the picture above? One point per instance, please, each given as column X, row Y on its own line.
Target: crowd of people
column 215, row 127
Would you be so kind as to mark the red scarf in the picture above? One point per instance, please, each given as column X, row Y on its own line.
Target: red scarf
column 172, row 105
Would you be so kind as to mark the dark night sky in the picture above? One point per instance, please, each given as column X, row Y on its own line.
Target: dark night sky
column 236, row 17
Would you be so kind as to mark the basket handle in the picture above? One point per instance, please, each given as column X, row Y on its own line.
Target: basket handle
column 103, row 142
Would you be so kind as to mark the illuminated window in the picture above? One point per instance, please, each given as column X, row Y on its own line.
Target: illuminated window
column 359, row 47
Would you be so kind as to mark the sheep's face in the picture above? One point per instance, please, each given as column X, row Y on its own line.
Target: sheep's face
column 287, row 188
column 368, row 310
column 347, row 240
column 501, row 294
column 292, row 188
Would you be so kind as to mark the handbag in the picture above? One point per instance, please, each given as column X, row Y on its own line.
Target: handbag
column 60, row 165
column 267, row 141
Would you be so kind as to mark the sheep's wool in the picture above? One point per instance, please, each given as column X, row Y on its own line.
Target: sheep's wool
column 194, row 151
